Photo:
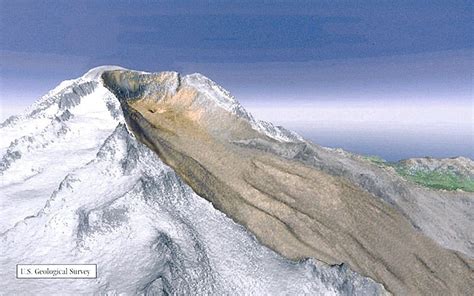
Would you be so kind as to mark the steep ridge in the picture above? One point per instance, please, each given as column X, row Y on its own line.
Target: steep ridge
column 84, row 190
column 298, row 207
column 63, row 130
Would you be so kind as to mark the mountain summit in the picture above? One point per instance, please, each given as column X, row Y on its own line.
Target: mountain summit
column 290, row 204
column 151, row 176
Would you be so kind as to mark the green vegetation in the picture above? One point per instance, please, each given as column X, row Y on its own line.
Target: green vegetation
column 438, row 179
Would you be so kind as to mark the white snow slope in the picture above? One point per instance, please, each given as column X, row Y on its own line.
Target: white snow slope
column 77, row 187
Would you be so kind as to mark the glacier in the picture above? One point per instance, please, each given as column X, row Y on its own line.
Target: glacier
column 77, row 187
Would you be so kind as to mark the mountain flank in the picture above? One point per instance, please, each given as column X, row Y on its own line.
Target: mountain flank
column 77, row 186
column 294, row 201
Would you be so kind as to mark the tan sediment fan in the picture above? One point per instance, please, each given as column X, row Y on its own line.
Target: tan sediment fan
column 295, row 209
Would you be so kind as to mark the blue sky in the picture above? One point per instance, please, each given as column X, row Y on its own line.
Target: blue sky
column 265, row 52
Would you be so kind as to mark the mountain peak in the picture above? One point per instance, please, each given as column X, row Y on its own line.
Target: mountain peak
column 95, row 73
column 194, row 96
column 297, row 206
column 134, row 85
column 105, row 181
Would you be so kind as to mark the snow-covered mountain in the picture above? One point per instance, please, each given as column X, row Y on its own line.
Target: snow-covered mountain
column 77, row 187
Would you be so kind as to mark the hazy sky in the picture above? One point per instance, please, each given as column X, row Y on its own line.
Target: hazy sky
column 269, row 54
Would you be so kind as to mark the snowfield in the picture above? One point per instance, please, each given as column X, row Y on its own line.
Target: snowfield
column 78, row 188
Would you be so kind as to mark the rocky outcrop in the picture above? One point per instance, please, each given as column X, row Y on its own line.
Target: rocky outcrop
column 291, row 199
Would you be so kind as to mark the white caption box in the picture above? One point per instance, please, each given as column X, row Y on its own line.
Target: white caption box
column 56, row 271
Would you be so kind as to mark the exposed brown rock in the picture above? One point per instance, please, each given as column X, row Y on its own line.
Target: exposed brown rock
column 293, row 208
